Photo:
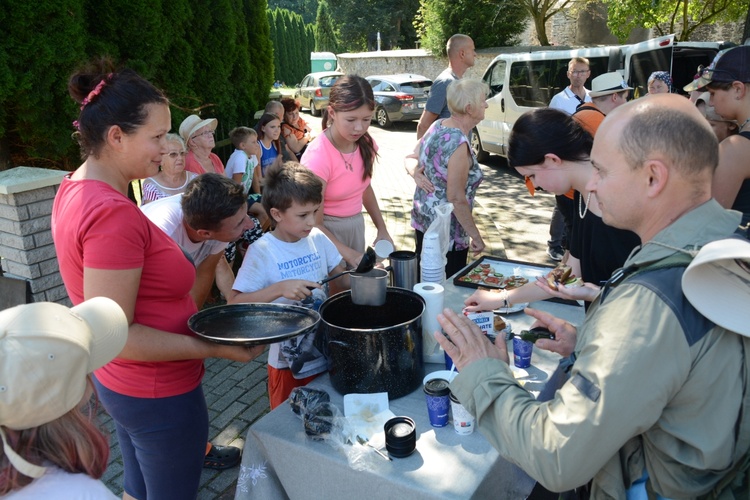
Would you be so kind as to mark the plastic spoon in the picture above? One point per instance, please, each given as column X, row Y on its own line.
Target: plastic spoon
column 364, row 442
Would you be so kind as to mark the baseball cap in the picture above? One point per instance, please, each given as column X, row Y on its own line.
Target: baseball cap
column 729, row 65
column 608, row 83
column 717, row 283
column 46, row 351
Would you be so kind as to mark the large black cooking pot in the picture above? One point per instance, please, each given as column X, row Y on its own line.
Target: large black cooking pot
column 375, row 348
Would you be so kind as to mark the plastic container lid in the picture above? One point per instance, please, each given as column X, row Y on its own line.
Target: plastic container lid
column 437, row 387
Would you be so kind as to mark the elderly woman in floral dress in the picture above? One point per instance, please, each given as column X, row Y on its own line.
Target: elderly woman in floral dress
column 452, row 169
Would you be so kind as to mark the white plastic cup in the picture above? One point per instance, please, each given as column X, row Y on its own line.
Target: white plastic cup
column 463, row 421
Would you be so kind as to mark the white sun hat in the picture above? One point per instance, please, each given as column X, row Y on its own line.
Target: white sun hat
column 717, row 283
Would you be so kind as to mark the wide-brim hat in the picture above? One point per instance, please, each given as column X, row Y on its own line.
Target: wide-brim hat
column 608, row 83
column 729, row 65
column 717, row 283
column 193, row 123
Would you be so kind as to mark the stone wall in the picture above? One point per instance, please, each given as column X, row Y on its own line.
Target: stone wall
column 584, row 27
column 26, row 248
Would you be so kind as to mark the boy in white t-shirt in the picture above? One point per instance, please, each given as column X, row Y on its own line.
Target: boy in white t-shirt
column 285, row 266
column 241, row 168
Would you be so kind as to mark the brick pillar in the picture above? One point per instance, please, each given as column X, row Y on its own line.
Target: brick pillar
column 26, row 248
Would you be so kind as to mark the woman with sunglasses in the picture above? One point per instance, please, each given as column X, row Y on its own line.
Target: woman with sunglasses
column 727, row 79
column 199, row 136
column 172, row 178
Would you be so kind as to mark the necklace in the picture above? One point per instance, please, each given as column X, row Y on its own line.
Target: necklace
column 582, row 211
column 347, row 163
column 743, row 125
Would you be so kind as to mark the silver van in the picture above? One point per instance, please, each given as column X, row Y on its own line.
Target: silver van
column 519, row 82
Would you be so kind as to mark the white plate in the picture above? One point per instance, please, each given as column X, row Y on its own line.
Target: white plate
column 512, row 309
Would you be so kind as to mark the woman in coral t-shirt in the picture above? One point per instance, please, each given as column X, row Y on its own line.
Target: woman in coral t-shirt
column 199, row 137
column 107, row 247
column 343, row 157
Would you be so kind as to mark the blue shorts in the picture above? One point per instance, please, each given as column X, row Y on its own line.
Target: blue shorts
column 163, row 441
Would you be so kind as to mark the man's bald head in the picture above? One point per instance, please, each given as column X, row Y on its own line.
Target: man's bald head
column 456, row 43
column 666, row 126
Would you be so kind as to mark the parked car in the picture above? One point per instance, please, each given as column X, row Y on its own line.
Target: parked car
column 398, row 97
column 313, row 91
column 519, row 82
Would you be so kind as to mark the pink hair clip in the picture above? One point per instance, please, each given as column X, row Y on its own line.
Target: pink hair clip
column 76, row 125
column 96, row 91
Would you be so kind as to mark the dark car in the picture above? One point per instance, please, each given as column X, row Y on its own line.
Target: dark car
column 398, row 97
column 313, row 91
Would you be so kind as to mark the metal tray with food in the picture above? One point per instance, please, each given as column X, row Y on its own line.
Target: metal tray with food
column 252, row 324
column 495, row 273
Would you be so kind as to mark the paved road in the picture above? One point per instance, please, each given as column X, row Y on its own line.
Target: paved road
column 514, row 225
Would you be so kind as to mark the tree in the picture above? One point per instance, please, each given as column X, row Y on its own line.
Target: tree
column 326, row 33
column 292, row 43
column 308, row 9
column 681, row 17
column 490, row 23
column 42, row 44
column 359, row 22
column 542, row 11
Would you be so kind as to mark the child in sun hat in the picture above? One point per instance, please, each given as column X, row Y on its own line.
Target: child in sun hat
column 46, row 353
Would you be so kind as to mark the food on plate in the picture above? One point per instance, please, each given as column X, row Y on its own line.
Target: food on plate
column 562, row 276
column 485, row 274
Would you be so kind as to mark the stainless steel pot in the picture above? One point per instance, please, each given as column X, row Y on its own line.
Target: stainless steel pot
column 375, row 349
column 368, row 289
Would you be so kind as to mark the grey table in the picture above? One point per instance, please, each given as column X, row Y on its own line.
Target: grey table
column 280, row 461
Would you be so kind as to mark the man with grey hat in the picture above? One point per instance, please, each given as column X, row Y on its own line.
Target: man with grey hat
column 47, row 351
column 658, row 400
column 608, row 91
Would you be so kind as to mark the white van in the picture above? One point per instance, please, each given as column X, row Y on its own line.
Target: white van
column 519, row 82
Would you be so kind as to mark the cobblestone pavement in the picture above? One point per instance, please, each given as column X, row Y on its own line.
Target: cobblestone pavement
column 514, row 225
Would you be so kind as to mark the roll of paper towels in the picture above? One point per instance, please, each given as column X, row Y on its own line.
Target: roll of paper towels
column 432, row 293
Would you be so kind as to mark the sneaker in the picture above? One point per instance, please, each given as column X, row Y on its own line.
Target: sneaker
column 555, row 253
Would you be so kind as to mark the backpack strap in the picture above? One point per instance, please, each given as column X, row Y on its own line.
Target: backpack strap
column 588, row 107
column 736, row 482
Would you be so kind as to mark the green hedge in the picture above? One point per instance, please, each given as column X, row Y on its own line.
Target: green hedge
column 211, row 58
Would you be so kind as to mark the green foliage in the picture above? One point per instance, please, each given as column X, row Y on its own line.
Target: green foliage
column 41, row 43
column 326, row 33
column 491, row 23
column 213, row 59
column 681, row 17
column 292, row 43
column 308, row 9
column 359, row 21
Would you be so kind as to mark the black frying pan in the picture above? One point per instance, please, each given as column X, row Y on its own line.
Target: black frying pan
column 252, row 324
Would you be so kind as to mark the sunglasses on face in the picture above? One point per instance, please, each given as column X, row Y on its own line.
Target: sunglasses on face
column 708, row 72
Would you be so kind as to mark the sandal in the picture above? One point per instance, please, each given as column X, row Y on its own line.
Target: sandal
column 222, row 457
